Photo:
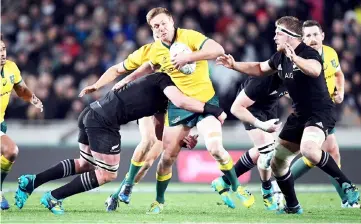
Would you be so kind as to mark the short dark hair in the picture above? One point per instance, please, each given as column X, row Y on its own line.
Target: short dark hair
column 291, row 23
column 156, row 11
column 310, row 23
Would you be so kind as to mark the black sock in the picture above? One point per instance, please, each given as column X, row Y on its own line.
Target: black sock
column 266, row 184
column 287, row 186
column 83, row 182
column 243, row 165
column 329, row 166
column 63, row 169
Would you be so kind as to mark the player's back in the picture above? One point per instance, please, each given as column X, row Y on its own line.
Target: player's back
column 143, row 97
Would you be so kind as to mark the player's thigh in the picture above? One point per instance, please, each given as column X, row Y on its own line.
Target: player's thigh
column 105, row 147
column 86, row 158
column 8, row 147
column 260, row 138
column 147, row 128
column 292, row 131
column 172, row 139
column 313, row 135
column 209, row 126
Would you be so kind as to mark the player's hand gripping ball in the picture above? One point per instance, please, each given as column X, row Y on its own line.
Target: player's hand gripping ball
column 178, row 54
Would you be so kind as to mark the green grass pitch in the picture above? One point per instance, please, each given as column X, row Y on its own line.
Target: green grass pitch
column 196, row 207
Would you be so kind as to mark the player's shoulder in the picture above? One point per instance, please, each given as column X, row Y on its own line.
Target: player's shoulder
column 186, row 32
column 329, row 50
column 146, row 47
column 10, row 64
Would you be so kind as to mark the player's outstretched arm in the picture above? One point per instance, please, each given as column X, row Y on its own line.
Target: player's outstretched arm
column 182, row 101
column 144, row 69
column 109, row 75
column 27, row 95
column 239, row 109
column 249, row 68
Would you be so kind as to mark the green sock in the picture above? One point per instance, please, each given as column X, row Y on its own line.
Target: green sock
column 337, row 187
column 133, row 170
column 115, row 195
column 5, row 169
column 230, row 173
column 299, row 168
column 161, row 186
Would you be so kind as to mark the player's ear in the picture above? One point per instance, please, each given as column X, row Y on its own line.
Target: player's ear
column 323, row 36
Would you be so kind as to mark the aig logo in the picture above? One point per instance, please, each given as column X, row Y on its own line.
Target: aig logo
column 289, row 75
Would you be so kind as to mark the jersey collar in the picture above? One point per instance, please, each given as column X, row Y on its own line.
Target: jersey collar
column 174, row 37
column 322, row 55
column 2, row 72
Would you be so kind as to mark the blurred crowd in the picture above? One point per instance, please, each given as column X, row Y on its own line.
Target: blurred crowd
column 61, row 46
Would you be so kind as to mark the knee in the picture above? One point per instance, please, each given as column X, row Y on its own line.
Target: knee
column 334, row 151
column 148, row 142
column 10, row 151
column 214, row 146
column 308, row 149
column 107, row 176
column 83, row 165
column 168, row 159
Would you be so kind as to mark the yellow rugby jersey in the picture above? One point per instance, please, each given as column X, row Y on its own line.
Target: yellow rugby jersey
column 137, row 58
column 198, row 84
column 10, row 75
column 331, row 65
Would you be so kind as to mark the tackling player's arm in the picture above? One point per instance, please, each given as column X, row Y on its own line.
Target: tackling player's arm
column 187, row 103
column 145, row 69
column 133, row 61
column 109, row 75
column 249, row 68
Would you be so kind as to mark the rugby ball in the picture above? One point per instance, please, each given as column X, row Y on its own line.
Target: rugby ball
column 177, row 48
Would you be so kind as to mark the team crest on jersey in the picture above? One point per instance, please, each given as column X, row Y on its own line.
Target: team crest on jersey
column 5, row 81
column 164, row 59
column 12, row 79
column 333, row 62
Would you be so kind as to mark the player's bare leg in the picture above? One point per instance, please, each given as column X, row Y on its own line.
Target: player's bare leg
column 107, row 169
column 249, row 159
column 211, row 130
column 9, row 152
column 285, row 153
column 171, row 144
column 262, row 154
column 311, row 144
column 28, row 183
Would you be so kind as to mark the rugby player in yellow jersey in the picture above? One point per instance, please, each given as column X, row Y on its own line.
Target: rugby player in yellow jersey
column 196, row 85
column 10, row 79
column 151, row 130
column 313, row 36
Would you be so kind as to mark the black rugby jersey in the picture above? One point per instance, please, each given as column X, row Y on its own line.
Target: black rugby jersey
column 141, row 98
column 309, row 94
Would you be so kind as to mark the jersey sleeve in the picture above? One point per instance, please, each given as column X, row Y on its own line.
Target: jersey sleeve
column 17, row 75
column 196, row 40
column 257, row 87
column 275, row 60
column 134, row 60
column 164, row 81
